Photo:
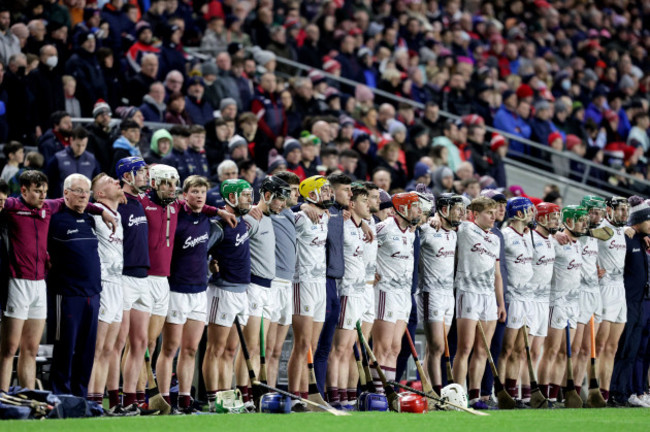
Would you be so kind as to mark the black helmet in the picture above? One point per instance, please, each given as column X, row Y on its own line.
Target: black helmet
column 278, row 188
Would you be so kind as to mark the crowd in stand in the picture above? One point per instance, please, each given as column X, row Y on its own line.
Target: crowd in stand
column 567, row 74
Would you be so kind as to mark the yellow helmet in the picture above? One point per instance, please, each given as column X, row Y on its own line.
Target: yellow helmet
column 314, row 184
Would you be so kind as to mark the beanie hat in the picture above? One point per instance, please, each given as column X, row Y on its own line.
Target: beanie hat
column 638, row 213
column 497, row 142
column 290, row 145
column 101, row 107
column 420, row 169
column 553, row 136
column 236, row 141
column 572, row 141
column 385, row 200
column 275, row 161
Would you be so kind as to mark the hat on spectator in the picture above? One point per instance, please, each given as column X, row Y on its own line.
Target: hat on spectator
column 275, row 161
column 84, row 36
column 577, row 105
column 209, row 68
column 236, row 141
column 263, row 57
column 417, row 131
column 561, row 106
column 234, row 47
column 101, row 107
column 507, row 94
column 497, row 141
column 226, row 102
column 362, row 93
column 542, row 4
column 446, row 172
column 361, row 138
column 231, row 19
column 141, row 26
column 524, row 91
column 600, row 90
column 290, row 144
column 196, row 79
column 494, row 194
column 516, row 190
column 473, row 120
column 626, row 82
column 385, row 200
column 20, row 30
column 487, row 182
column 572, row 141
column 316, row 77
column 589, row 75
column 331, row 66
column 420, row 169
column 363, row 51
column 542, row 104
column 126, row 112
column 553, row 136
column 610, row 115
column 639, row 211
column 395, row 127
column 331, row 93
column 345, row 120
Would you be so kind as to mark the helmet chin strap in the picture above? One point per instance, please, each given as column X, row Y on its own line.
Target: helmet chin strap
column 574, row 233
column 412, row 222
column 453, row 224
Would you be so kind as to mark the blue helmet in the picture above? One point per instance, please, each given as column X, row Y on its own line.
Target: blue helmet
column 517, row 204
column 129, row 164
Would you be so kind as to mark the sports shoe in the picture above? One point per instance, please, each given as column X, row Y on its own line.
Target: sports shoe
column 184, row 411
column 141, row 411
column 479, row 404
column 555, row 405
column 616, row 401
column 119, row 411
column 299, row 407
column 635, row 401
column 491, row 403
column 645, row 397
column 349, row 407
column 519, row 404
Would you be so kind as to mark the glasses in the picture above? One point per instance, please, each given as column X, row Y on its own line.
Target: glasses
column 79, row 192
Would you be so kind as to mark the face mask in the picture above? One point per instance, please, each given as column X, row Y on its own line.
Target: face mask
column 566, row 85
column 52, row 61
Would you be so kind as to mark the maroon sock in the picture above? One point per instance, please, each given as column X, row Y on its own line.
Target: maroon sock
column 296, row 394
column 167, row 399
column 333, row 395
column 184, row 401
column 304, row 395
column 544, row 389
column 578, row 388
column 352, row 395
column 525, row 392
column 511, row 387
column 113, row 398
column 244, row 393
column 437, row 389
column 129, row 399
column 343, row 396
column 605, row 394
column 139, row 395
column 474, row 394
column 553, row 391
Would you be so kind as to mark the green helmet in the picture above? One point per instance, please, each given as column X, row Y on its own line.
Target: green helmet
column 574, row 212
column 592, row 201
column 237, row 187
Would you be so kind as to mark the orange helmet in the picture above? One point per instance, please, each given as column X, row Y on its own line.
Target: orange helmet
column 402, row 203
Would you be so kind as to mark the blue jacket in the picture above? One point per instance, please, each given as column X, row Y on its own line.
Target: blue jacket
column 189, row 268
column 65, row 163
column 180, row 161
column 72, row 246
column 592, row 112
column 510, row 122
column 199, row 112
column 334, row 245
column 542, row 129
column 635, row 274
column 119, row 24
column 136, row 238
column 214, row 198
column 198, row 162
column 48, row 145
column 232, row 252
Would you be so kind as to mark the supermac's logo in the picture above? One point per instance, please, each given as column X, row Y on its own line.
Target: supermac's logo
column 574, row 265
column 614, row 245
column 544, row 261
column 521, row 259
column 192, row 242
column 136, row 220
column 478, row 247
column 318, row 242
column 241, row 238
column 445, row 253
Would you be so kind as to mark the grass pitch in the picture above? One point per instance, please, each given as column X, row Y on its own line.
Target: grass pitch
column 610, row 420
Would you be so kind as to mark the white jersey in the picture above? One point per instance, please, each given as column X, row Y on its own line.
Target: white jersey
column 311, row 262
column 543, row 260
column 370, row 252
column 565, row 285
column 437, row 254
column 394, row 256
column 110, row 247
column 611, row 256
column 353, row 282
column 519, row 260
column 589, row 272
column 478, row 251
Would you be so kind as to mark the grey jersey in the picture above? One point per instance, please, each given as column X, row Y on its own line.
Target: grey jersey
column 285, row 244
column 262, row 242
column 589, row 271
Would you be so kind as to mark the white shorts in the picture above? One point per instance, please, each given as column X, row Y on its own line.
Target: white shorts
column 590, row 304
column 436, row 307
column 560, row 313
column 476, row 307
column 136, row 294
column 223, row 306
column 310, row 299
column 261, row 301
column 187, row 306
column 538, row 320
column 393, row 306
column 111, row 301
column 283, row 292
column 368, row 309
column 159, row 286
column 26, row 299
column 614, row 307
column 351, row 311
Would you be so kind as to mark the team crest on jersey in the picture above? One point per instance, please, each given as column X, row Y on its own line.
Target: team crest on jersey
column 223, row 316
column 254, row 306
column 172, row 210
column 10, row 309
column 174, row 314
column 348, row 321
column 435, row 313
column 306, row 308
column 43, row 214
column 404, row 240
column 390, row 314
column 102, row 311
column 468, row 309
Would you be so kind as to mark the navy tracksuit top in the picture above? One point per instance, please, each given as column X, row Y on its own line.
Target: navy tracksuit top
column 189, row 268
column 136, row 238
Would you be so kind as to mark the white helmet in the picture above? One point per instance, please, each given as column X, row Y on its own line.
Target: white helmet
column 161, row 172
column 455, row 394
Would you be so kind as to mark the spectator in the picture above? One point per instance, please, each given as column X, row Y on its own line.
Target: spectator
column 153, row 106
column 225, row 171
column 33, row 161
column 178, row 158
column 508, row 119
column 112, row 76
column 268, row 106
column 228, row 82
column 596, row 109
column 99, row 135
column 309, row 53
column 638, row 136
column 389, row 158
column 172, row 56
column 249, row 172
column 143, row 45
column 212, row 93
column 443, row 181
column 19, row 99
column 455, row 98
column 279, row 46
column 161, row 146
column 421, row 174
column 196, row 152
column 237, row 148
column 74, row 159
column 350, row 66
column 176, row 113
column 292, row 152
column 127, row 144
column 36, row 39
column 14, row 155
column 479, row 151
column 118, row 22
column 56, row 138
column 9, row 43
column 214, row 39
column 541, row 125
column 84, row 67
column 45, row 85
column 216, row 143
column 198, row 109
column 174, row 82
column 72, row 105
column 139, row 85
